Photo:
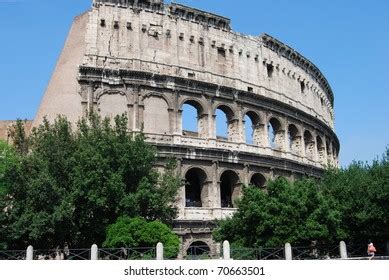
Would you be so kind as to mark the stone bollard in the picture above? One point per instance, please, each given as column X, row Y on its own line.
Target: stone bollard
column 343, row 250
column 159, row 251
column 94, row 253
column 288, row 252
column 226, row 250
column 30, row 253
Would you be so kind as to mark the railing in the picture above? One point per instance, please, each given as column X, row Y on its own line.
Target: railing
column 316, row 252
column 257, row 253
column 14, row 255
column 148, row 253
column 199, row 252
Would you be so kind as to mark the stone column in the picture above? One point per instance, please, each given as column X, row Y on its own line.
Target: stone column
column 216, row 185
column 30, row 253
column 159, row 251
column 226, row 250
column 288, row 252
column 94, row 254
column 343, row 250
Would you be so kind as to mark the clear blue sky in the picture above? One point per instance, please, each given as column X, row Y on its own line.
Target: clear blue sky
column 347, row 39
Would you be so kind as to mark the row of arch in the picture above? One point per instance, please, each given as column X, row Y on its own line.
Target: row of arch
column 290, row 137
column 197, row 187
column 157, row 114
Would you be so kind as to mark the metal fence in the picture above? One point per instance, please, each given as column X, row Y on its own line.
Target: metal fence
column 143, row 253
column 258, row 253
column 198, row 252
column 316, row 252
column 13, row 255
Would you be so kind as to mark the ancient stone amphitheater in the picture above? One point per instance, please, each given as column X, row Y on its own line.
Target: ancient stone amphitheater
column 148, row 59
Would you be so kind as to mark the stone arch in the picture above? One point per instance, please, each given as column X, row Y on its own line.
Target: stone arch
column 275, row 133
column 320, row 149
column 202, row 118
column 294, row 139
column 111, row 103
column 196, row 189
column 230, row 189
column 232, row 122
column 309, row 144
column 156, row 114
column 198, row 248
column 256, row 130
column 258, row 180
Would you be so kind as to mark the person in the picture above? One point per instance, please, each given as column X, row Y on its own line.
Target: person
column 371, row 250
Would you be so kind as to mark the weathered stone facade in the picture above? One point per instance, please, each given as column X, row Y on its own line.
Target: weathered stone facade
column 147, row 59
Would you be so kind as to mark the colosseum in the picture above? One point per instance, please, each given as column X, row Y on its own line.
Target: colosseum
column 152, row 60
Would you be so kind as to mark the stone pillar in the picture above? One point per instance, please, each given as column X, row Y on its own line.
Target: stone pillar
column 343, row 250
column 159, row 251
column 30, row 253
column 94, row 253
column 226, row 250
column 288, row 252
column 137, row 113
column 216, row 185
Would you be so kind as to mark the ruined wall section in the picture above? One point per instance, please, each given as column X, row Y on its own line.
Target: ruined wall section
column 162, row 43
column 62, row 96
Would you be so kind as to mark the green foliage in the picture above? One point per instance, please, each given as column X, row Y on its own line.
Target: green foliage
column 68, row 186
column 286, row 212
column 137, row 232
column 362, row 195
column 7, row 158
column 349, row 204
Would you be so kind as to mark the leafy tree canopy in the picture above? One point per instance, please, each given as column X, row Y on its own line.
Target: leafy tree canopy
column 348, row 204
column 137, row 232
column 69, row 185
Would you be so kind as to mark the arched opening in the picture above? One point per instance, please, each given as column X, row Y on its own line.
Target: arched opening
column 253, row 129
column 198, row 248
column 193, row 120
column 334, row 152
column 309, row 144
column 195, row 190
column 294, row 139
column 229, row 189
column 320, row 149
column 329, row 152
column 275, row 135
column 258, row 180
column 224, row 123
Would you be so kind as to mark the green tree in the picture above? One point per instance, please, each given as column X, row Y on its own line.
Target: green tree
column 68, row 186
column 362, row 195
column 7, row 158
column 296, row 212
column 137, row 232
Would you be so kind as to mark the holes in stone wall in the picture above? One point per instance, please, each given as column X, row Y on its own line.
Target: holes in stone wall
column 320, row 148
column 309, row 144
column 252, row 128
column 229, row 189
column 195, row 190
column 270, row 70
column 258, row 180
column 302, row 87
column 275, row 136
column 224, row 125
column 102, row 23
column 294, row 139
column 221, row 52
